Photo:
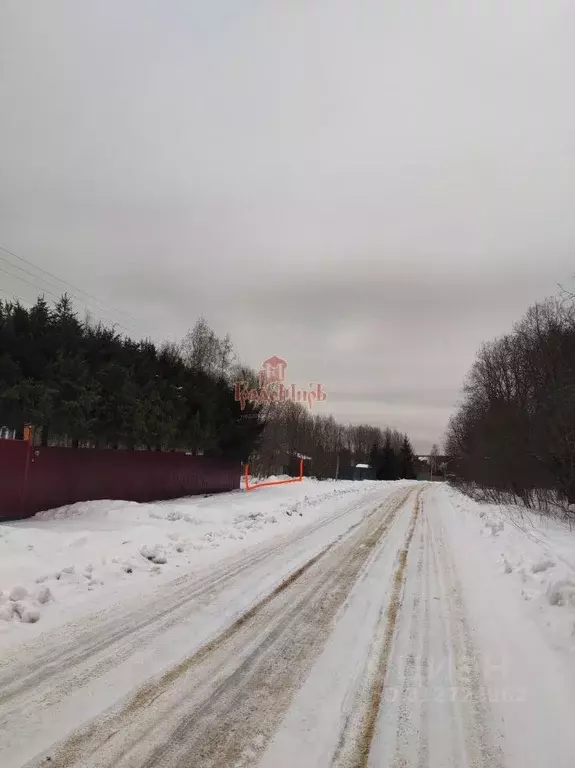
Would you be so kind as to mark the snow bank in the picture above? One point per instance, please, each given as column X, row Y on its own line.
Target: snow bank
column 76, row 559
column 537, row 553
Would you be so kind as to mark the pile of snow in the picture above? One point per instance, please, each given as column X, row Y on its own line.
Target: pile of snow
column 542, row 565
column 77, row 558
column 256, row 479
column 494, row 527
column 19, row 604
column 537, row 553
column 154, row 554
column 561, row 593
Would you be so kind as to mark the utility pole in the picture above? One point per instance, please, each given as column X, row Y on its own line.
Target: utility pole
column 337, row 467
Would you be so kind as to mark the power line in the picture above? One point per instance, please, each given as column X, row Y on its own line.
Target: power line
column 64, row 282
column 43, row 280
column 27, row 272
column 45, row 290
column 38, row 287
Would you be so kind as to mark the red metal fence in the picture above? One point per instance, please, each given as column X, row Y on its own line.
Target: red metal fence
column 33, row 479
column 14, row 462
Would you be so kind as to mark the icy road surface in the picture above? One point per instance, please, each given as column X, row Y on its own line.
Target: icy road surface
column 381, row 636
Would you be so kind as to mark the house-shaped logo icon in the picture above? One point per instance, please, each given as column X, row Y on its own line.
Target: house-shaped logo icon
column 273, row 370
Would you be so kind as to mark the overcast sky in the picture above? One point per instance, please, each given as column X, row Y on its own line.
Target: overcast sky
column 367, row 189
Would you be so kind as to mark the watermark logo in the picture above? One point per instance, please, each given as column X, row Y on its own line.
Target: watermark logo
column 274, row 389
column 273, row 371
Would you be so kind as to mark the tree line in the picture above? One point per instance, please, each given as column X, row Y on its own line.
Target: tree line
column 514, row 433
column 331, row 449
column 82, row 384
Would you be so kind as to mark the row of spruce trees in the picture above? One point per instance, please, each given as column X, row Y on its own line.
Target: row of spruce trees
column 393, row 463
column 83, row 384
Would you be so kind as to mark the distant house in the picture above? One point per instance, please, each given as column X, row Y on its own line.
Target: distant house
column 363, row 472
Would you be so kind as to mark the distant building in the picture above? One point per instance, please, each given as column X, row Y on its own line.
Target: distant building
column 363, row 472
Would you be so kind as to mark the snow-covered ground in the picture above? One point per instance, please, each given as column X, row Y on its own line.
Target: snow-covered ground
column 371, row 624
column 69, row 561
column 535, row 554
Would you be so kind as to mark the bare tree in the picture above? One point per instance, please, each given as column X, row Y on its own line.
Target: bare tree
column 514, row 433
column 206, row 352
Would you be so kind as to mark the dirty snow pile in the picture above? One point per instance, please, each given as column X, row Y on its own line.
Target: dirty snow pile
column 536, row 553
column 77, row 558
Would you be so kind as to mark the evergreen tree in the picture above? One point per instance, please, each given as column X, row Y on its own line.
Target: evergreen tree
column 389, row 465
column 406, row 460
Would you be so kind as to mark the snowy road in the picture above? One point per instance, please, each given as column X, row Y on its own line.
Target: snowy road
column 379, row 636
